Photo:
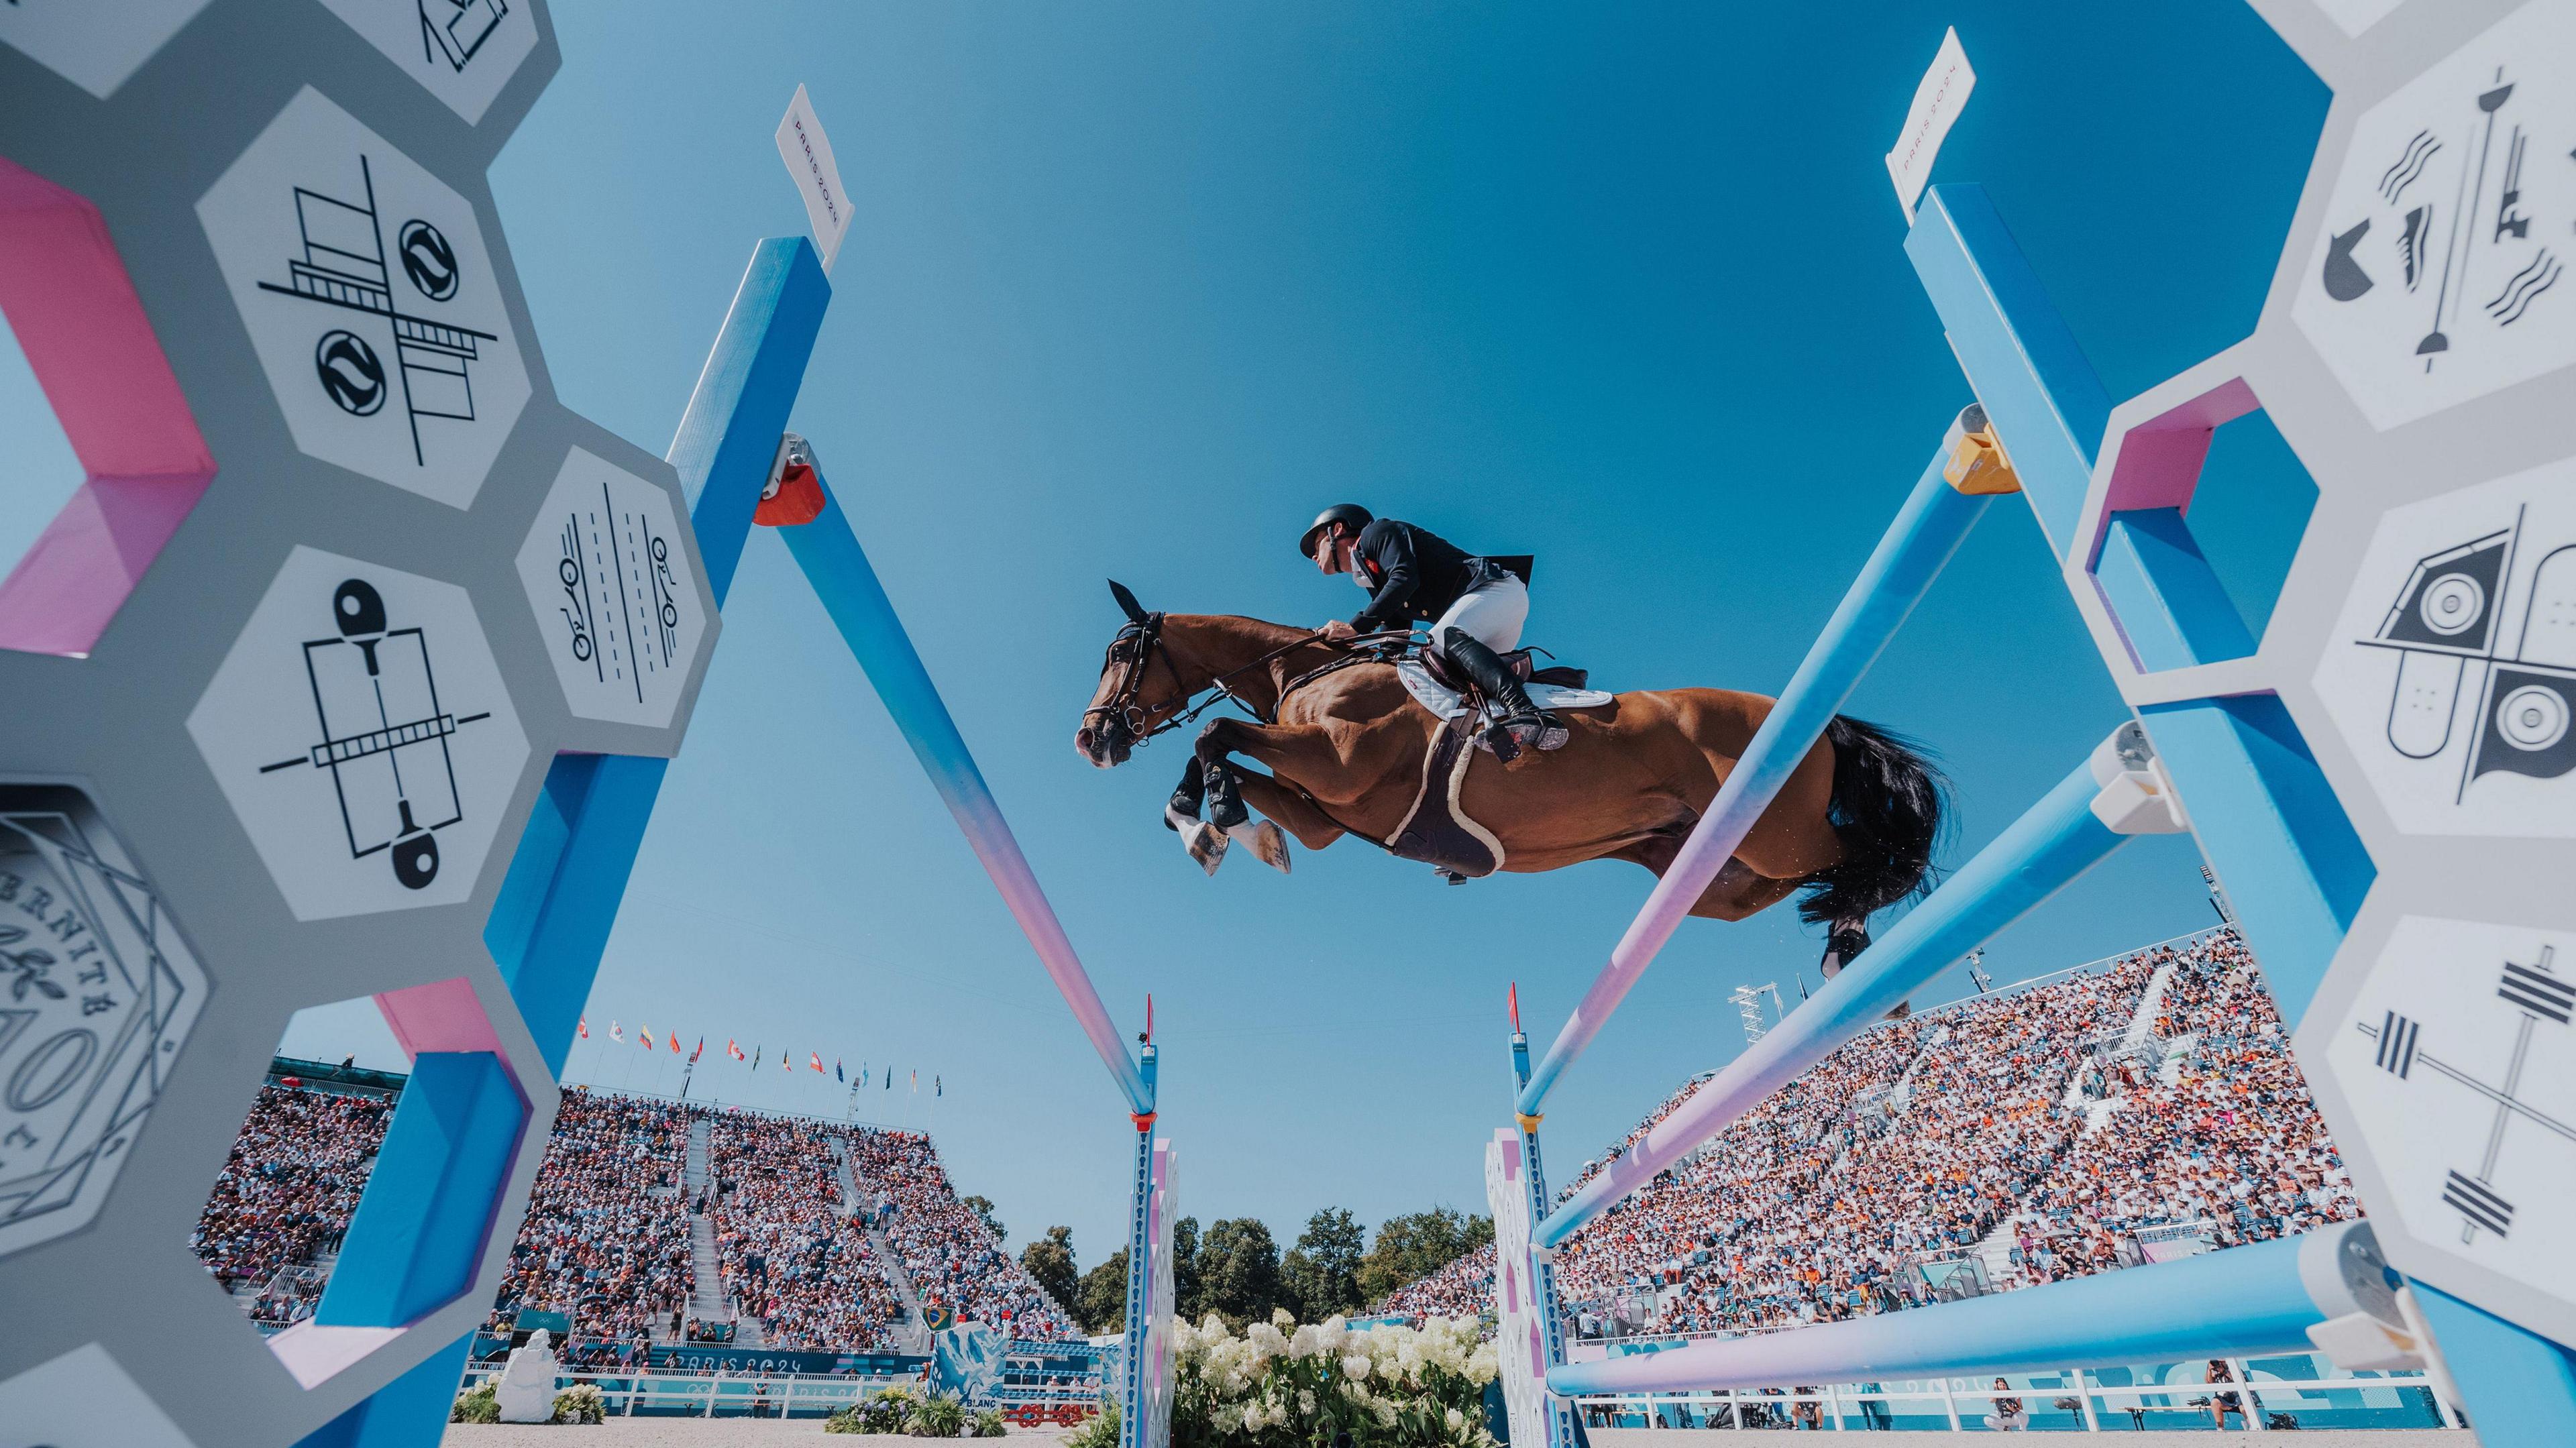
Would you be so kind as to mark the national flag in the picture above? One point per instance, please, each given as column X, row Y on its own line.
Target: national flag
column 889, row 1078
column 645, row 1034
column 936, row 1089
column 700, row 1051
column 614, row 1033
column 836, row 1070
column 675, row 1043
column 585, row 1028
column 916, row 1080
column 815, row 1059
column 785, row 1062
column 755, row 1056
column 733, row 1048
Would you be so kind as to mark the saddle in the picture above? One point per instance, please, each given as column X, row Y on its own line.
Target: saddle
column 1518, row 661
column 1437, row 830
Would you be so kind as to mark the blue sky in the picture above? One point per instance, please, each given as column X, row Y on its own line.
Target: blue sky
column 1132, row 292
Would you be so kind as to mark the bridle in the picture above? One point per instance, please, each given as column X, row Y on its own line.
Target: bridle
column 1146, row 635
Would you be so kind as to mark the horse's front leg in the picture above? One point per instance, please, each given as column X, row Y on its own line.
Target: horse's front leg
column 1226, row 815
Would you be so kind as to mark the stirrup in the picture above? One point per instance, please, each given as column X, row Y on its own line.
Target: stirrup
column 1537, row 729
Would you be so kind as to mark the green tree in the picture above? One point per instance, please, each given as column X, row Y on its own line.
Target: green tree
column 1418, row 1245
column 1238, row 1271
column 1101, row 1301
column 1322, row 1271
column 1050, row 1260
column 982, row 1207
column 1188, row 1302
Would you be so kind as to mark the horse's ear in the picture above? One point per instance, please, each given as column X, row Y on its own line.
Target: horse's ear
column 1127, row 601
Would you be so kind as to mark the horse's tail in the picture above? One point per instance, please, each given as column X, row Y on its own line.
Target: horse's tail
column 1889, row 807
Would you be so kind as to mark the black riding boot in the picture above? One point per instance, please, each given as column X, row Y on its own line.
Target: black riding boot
column 1522, row 723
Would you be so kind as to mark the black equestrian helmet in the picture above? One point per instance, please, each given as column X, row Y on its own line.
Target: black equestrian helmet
column 1352, row 513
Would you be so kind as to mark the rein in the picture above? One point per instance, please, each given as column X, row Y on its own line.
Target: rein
column 1148, row 632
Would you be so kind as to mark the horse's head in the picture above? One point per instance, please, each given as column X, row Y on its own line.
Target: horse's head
column 1140, row 688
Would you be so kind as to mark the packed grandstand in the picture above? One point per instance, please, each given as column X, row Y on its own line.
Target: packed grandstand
column 2127, row 1111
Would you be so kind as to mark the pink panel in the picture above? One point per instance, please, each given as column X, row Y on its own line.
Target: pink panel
column 91, row 348
column 443, row 1015
column 2160, row 460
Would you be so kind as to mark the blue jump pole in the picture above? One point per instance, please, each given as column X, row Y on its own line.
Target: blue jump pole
column 829, row 552
column 2256, row 1300
column 2088, row 815
column 1946, row 502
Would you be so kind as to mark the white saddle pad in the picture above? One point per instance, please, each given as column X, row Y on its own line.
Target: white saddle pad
column 1445, row 703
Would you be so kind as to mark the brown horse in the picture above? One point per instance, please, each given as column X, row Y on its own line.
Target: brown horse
column 1345, row 746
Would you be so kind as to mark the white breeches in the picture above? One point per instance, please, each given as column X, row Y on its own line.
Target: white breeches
column 1492, row 614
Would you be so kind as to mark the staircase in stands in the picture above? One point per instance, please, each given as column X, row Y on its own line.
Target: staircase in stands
column 706, row 1286
column 913, row 1336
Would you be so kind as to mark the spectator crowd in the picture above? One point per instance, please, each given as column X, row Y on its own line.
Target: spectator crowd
column 947, row 1250
column 285, row 1197
column 789, row 1248
column 606, row 1240
column 2091, row 1121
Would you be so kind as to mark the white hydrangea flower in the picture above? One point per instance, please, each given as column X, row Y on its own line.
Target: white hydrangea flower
column 1356, row 1368
column 1306, row 1402
column 1306, row 1342
column 1282, row 1318
column 1457, row 1420
column 1385, row 1413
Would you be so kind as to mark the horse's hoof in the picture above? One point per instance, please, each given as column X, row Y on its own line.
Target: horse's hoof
column 1268, row 842
column 1177, row 822
column 1206, row 844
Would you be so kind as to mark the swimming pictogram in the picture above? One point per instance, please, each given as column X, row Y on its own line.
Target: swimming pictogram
column 2542, row 1001
column 343, row 266
column 383, row 737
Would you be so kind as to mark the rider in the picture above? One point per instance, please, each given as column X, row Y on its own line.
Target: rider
column 1475, row 605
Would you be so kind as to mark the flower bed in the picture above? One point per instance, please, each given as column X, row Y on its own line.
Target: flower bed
column 1280, row 1385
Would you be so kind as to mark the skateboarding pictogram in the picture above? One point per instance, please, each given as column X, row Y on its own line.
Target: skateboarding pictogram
column 2456, row 679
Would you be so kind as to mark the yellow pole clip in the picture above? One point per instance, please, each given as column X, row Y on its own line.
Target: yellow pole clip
column 1978, row 466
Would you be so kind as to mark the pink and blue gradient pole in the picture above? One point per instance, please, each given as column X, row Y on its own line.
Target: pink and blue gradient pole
column 1927, row 530
column 829, row 552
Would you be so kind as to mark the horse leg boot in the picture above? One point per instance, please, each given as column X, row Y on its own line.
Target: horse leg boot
column 1522, row 724
column 1226, row 813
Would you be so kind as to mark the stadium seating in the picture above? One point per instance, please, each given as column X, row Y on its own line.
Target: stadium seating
column 2085, row 1122
column 285, row 1198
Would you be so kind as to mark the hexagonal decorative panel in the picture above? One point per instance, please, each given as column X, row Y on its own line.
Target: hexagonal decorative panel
column 369, row 295
column 320, row 298
column 97, row 993
column 615, row 594
column 2452, row 673
column 2459, row 1060
column 360, row 728
column 2439, row 275
column 462, row 51
column 94, row 44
